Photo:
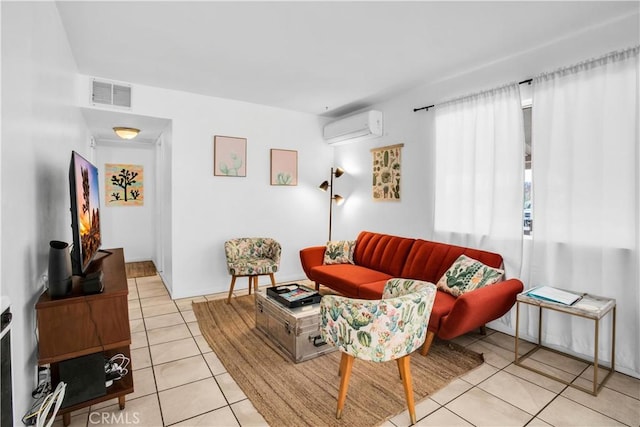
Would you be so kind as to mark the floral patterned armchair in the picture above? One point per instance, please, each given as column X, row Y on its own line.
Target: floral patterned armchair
column 252, row 257
column 379, row 330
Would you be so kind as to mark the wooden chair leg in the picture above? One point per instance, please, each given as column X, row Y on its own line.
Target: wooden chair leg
column 405, row 373
column 273, row 279
column 483, row 330
column 346, row 364
column 317, row 286
column 233, row 283
column 343, row 360
column 427, row 343
column 250, row 283
column 255, row 284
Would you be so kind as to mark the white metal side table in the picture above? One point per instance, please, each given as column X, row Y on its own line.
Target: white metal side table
column 589, row 307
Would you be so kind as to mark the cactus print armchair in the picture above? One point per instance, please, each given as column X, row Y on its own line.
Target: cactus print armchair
column 379, row 330
column 252, row 257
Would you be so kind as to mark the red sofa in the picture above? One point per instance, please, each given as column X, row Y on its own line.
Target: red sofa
column 379, row 257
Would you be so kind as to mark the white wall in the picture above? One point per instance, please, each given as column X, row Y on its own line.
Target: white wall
column 133, row 228
column 40, row 127
column 206, row 210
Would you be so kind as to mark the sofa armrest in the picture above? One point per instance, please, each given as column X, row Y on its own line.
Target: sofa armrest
column 311, row 257
column 479, row 307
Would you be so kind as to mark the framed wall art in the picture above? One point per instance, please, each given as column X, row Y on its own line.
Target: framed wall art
column 229, row 156
column 386, row 173
column 284, row 167
column 124, row 184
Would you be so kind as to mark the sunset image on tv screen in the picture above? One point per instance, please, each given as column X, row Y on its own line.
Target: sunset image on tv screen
column 88, row 208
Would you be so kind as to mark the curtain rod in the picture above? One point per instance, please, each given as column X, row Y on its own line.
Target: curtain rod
column 528, row 81
column 423, row 108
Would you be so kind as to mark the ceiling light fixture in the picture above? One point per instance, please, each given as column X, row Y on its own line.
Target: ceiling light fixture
column 126, row 133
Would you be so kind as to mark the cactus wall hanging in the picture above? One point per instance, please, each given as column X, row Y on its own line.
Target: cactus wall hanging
column 124, row 184
column 229, row 156
column 386, row 172
column 284, row 167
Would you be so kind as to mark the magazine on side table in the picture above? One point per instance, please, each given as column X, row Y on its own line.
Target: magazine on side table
column 549, row 293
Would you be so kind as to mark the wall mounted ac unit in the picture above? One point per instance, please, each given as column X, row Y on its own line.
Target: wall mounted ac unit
column 108, row 93
column 354, row 128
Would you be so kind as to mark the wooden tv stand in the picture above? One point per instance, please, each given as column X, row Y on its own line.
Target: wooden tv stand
column 77, row 325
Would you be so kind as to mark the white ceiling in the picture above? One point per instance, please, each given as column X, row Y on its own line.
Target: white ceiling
column 316, row 57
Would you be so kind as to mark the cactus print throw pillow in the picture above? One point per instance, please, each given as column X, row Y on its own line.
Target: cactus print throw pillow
column 467, row 274
column 339, row 252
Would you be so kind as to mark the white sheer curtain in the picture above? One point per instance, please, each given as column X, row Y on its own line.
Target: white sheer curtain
column 586, row 197
column 479, row 175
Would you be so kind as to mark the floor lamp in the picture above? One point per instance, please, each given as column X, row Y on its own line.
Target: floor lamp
column 337, row 172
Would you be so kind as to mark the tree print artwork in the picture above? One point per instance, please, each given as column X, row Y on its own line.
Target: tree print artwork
column 386, row 172
column 124, row 179
column 124, row 185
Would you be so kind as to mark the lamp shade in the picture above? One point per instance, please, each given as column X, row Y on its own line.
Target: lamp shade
column 126, row 133
column 339, row 199
column 338, row 173
column 324, row 186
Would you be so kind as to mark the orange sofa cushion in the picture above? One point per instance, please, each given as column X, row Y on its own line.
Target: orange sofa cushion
column 347, row 278
column 371, row 290
column 382, row 252
column 441, row 308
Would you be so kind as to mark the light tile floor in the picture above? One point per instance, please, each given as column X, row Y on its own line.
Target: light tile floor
column 179, row 381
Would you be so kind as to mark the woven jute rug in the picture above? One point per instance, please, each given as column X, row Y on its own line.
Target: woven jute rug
column 290, row 394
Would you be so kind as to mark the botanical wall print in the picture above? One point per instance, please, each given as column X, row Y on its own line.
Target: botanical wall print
column 124, row 184
column 229, row 156
column 386, row 172
column 284, row 167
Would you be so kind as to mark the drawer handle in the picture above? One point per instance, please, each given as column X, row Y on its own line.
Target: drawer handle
column 317, row 340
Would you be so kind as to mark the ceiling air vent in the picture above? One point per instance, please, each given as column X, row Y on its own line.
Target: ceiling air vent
column 107, row 93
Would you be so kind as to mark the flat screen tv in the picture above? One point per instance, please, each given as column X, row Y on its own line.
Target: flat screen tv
column 85, row 213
